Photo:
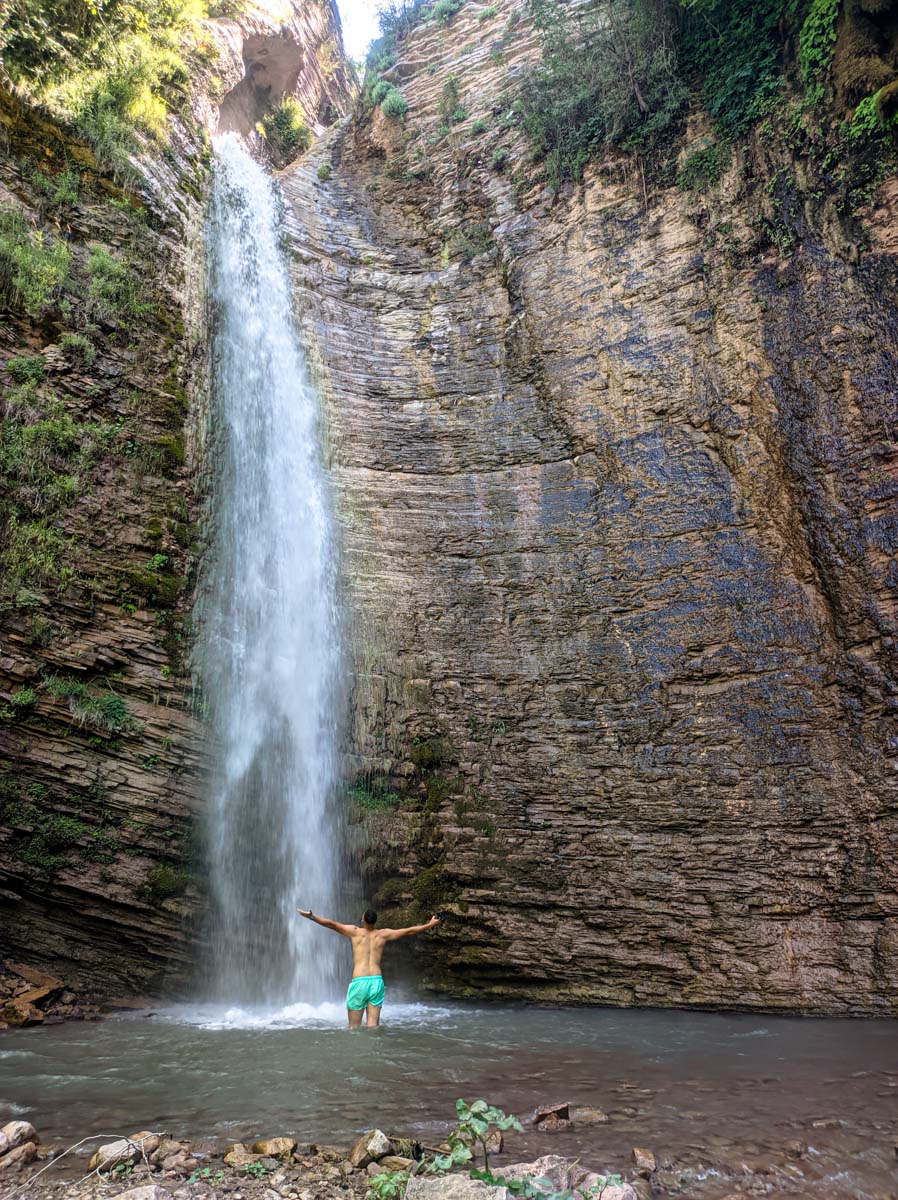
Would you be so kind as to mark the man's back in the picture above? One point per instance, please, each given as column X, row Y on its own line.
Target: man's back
column 366, row 988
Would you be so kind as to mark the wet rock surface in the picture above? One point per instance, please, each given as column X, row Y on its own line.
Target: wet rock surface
column 617, row 500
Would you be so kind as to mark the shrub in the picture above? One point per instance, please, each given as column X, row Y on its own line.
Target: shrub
column 444, row 10
column 734, row 48
column 324, row 172
column 286, row 129
column 607, row 79
column 487, row 14
column 114, row 288
column 165, row 881
column 61, row 190
column 704, row 168
column 379, row 90
column 479, row 126
column 394, row 104
column 33, row 268
column 26, row 369
column 105, row 711
column 452, row 110
column 500, row 158
column 77, row 344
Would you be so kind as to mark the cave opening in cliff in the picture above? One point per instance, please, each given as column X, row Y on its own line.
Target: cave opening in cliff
column 272, row 70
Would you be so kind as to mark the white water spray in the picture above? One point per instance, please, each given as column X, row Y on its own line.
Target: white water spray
column 268, row 648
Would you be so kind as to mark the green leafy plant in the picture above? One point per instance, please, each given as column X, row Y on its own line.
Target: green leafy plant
column 206, row 1175
column 500, row 158
column 59, row 191
column 816, row 43
column 20, row 704
column 487, row 14
column 255, row 1170
column 476, row 1123
column 324, row 172
column 479, row 126
column 388, row 1185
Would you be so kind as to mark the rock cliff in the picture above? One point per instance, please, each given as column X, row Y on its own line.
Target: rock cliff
column 616, row 477
column 615, row 471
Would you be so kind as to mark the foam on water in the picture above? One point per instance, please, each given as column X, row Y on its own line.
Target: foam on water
column 293, row 1016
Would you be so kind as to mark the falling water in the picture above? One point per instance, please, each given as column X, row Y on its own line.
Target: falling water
column 269, row 651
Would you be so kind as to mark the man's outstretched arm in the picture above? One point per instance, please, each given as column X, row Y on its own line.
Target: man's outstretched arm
column 392, row 934
column 346, row 930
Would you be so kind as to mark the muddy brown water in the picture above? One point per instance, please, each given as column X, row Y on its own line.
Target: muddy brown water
column 717, row 1098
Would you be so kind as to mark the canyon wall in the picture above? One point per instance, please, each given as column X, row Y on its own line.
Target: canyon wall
column 616, row 478
column 105, row 457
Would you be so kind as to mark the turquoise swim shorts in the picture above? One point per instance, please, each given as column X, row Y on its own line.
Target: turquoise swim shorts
column 367, row 989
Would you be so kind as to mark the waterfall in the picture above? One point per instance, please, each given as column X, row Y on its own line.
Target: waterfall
column 268, row 653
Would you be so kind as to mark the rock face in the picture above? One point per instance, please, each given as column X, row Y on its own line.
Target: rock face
column 101, row 749
column 616, row 483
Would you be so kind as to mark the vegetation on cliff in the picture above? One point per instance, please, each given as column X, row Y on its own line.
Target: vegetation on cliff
column 115, row 70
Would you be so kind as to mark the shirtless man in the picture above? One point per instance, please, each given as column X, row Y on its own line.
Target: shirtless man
column 366, row 988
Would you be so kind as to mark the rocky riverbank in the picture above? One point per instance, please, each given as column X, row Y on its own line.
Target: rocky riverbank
column 153, row 1166
column 148, row 1165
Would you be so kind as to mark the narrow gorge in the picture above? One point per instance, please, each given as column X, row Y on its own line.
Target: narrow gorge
column 613, row 465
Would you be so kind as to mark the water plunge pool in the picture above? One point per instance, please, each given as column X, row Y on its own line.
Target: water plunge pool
column 708, row 1092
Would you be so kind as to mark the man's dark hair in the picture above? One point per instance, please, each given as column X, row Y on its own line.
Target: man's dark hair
column 369, row 916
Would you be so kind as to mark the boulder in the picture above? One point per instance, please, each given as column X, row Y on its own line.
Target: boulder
column 125, row 1150
column 149, row 1191
column 238, row 1155
column 452, row 1187
column 796, row 1148
column 14, row 1160
column 370, row 1146
column 179, row 1164
column 166, row 1148
column 644, row 1160
column 21, row 1012
column 277, row 1147
column 4, row 1143
column 396, row 1162
column 567, row 1176
column 148, row 1141
column 19, row 1132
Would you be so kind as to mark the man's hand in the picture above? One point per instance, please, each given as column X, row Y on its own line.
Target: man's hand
column 433, row 922
column 305, row 912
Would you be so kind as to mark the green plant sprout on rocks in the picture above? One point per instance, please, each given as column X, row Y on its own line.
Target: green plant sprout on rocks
column 476, row 1123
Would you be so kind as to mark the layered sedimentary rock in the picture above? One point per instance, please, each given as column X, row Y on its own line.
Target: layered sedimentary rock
column 616, row 481
column 102, row 757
